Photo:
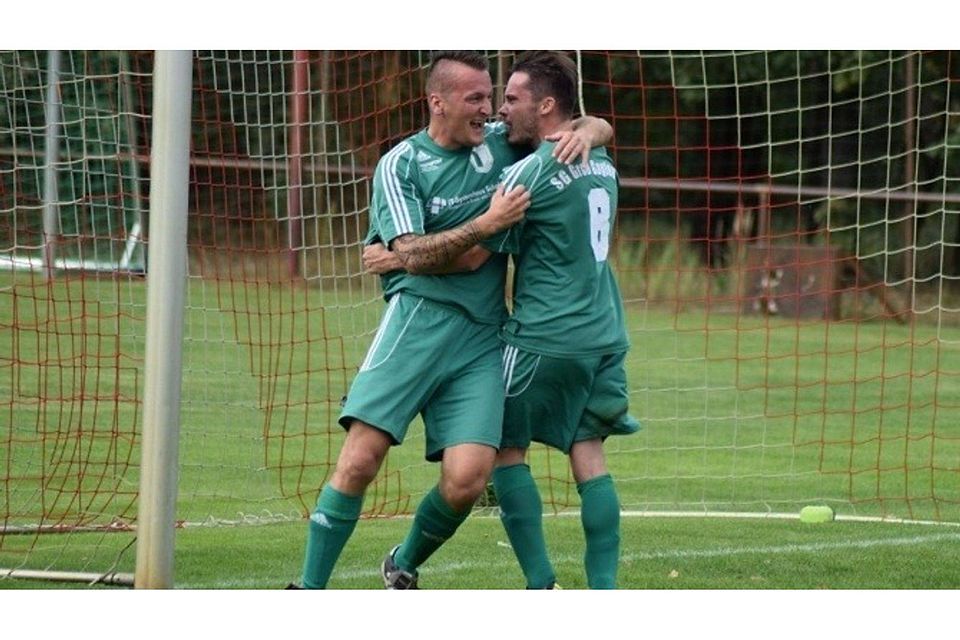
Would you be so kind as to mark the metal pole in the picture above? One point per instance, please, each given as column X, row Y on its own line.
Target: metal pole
column 910, row 180
column 353, row 170
column 500, row 81
column 165, row 303
column 135, row 232
column 120, row 579
column 51, row 225
column 298, row 116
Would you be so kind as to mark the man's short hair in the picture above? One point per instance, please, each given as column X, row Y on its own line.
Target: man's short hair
column 551, row 74
column 437, row 80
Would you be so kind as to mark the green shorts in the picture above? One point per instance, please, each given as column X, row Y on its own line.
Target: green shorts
column 560, row 401
column 427, row 358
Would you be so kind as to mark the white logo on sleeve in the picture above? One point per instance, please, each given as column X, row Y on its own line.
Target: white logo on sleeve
column 427, row 162
column 482, row 159
column 436, row 204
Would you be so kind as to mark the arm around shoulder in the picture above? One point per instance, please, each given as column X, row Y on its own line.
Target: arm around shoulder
column 598, row 130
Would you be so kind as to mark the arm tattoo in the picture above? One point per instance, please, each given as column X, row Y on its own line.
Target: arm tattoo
column 419, row 254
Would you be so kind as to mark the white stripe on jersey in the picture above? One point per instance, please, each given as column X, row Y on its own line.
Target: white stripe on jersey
column 514, row 171
column 393, row 190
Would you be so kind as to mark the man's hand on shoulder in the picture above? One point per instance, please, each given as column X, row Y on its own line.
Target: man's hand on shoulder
column 506, row 209
column 570, row 146
column 585, row 133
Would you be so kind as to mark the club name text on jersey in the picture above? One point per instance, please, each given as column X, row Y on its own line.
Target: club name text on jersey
column 574, row 171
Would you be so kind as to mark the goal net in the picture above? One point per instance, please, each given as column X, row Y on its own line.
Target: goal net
column 788, row 249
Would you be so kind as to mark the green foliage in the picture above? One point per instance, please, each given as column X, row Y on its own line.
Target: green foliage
column 837, row 119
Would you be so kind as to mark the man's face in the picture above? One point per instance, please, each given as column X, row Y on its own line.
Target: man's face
column 467, row 105
column 519, row 111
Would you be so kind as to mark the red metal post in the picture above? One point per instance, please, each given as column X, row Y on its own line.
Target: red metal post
column 298, row 105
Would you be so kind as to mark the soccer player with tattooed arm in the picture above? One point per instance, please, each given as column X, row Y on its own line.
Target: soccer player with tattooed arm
column 436, row 352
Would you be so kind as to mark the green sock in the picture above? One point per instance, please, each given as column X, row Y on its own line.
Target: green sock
column 433, row 524
column 521, row 512
column 330, row 527
column 600, row 515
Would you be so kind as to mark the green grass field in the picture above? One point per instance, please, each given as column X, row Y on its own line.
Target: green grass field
column 740, row 413
column 657, row 553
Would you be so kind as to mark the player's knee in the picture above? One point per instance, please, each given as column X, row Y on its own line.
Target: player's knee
column 461, row 489
column 460, row 498
column 356, row 469
column 360, row 458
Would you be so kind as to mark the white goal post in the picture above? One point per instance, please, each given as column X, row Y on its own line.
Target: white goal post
column 170, row 158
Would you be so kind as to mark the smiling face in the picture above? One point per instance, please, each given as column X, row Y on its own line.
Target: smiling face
column 460, row 106
column 520, row 111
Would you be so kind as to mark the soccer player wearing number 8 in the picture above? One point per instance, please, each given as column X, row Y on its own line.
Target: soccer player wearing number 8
column 566, row 338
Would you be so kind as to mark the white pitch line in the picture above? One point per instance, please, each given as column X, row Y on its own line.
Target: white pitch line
column 493, row 514
column 811, row 547
column 443, row 568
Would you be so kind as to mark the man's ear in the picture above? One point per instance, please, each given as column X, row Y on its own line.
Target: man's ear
column 547, row 105
column 435, row 103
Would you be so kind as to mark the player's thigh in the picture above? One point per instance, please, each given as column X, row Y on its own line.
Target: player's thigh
column 607, row 409
column 402, row 368
column 468, row 406
column 545, row 398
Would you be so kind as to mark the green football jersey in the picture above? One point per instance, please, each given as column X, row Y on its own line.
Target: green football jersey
column 421, row 188
column 566, row 301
